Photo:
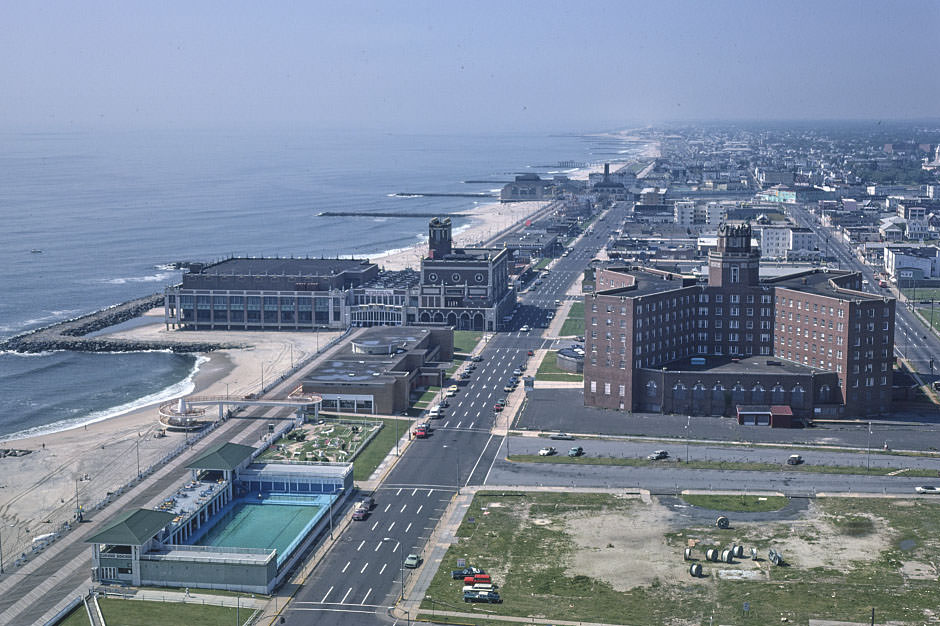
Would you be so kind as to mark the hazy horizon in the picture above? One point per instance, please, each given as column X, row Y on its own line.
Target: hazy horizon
column 433, row 67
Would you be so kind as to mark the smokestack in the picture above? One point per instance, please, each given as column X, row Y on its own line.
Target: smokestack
column 606, row 171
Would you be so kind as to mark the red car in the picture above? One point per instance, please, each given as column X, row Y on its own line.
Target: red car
column 360, row 514
column 478, row 578
column 499, row 406
column 530, row 353
column 421, row 432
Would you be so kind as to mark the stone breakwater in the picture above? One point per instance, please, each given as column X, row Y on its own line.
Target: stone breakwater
column 70, row 334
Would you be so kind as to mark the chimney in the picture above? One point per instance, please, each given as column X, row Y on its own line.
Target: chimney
column 606, row 171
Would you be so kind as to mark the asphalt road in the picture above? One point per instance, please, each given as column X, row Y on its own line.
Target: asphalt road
column 361, row 575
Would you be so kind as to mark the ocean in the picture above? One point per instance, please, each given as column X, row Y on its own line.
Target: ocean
column 109, row 210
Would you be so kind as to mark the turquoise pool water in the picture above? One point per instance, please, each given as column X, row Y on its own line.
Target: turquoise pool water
column 255, row 525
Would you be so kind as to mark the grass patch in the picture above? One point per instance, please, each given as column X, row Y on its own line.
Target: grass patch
column 77, row 617
column 426, row 397
column 854, row 525
column 466, row 340
column 459, row 359
column 542, row 264
column 738, row 504
column 574, row 323
column 528, row 561
column 144, row 613
column 522, row 540
column 922, row 293
column 549, row 370
column 377, row 449
column 718, row 465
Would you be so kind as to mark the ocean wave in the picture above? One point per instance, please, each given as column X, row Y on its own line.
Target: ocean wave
column 182, row 388
column 53, row 316
column 28, row 354
column 152, row 278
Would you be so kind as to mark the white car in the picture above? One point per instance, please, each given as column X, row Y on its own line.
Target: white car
column 927, row 489
column 548, row 451
column 525, row 328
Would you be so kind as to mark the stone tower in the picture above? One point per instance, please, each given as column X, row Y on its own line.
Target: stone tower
column 734, row 262
column 440, row 243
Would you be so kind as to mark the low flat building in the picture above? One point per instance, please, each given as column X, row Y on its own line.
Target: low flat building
column 376, row 371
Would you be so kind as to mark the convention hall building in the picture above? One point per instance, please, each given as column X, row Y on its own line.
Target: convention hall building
column 813, row 341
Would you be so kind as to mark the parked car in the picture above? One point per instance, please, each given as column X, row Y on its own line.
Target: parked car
column 478, row 579
column 530, row 353
column 509, row 387
column 459, row 574
column 517, row 372
column 927, row 489
column 547, row 451
column 476, row 358
column 421, row 431
column 525, row 328
column 576, row 451
column 412, row 561
column 562, row 437
column 794, row 459
column 499, row 406
column 366, row 502
column 360, row 514
column 657, row 455
column 482, row 596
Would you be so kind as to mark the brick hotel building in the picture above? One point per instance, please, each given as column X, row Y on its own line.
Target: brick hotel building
column 657, row 341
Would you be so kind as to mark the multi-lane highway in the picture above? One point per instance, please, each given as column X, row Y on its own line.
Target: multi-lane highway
column 362, row 574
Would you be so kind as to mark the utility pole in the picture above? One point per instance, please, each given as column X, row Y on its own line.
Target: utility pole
column 869, row 446
column 138, row 455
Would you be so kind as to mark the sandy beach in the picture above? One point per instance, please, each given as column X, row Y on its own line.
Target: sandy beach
column 38, row 491
column 487, row 220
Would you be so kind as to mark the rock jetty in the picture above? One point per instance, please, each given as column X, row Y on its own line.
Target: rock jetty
column 70, row 334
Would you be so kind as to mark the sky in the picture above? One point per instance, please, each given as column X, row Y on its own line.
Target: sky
column 463, row 66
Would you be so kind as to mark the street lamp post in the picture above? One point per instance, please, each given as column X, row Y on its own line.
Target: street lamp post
column 688, row 426
column 869, row 446
column 138, row 455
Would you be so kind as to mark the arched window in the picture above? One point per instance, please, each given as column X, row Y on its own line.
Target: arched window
column 824, row 393
column 651, row 389
column 797, row 396
column 777, row 394
column 757, row 394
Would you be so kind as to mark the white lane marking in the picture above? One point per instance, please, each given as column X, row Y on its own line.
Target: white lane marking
column 343, row 601
column 390, row 526
column 325, row 595
column 377, row 546
column 458, row 424
column 345, row 567
column 375, row 524
column 397, row 545
column 398, row 493
column 407, row 528
column 472, row 424
column 387, row 506
column 414, row 492
column 478, row 414
column 446, row 423
column 495, row 456
column 360, row 545
column 479, row 458
column 364, row 567
column 403, row 507
column 430, row 491
column 419, row 509
column 384, row 565
column 366, row 596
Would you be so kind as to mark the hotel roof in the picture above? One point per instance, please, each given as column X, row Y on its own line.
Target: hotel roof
column 824, row 282
column 647, row 282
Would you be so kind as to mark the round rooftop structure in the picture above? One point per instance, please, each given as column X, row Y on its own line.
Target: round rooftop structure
column 571, row 359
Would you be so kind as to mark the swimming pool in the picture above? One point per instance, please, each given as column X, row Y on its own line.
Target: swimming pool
column 272, row 523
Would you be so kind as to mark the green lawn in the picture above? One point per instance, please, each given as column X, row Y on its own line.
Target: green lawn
column 742, row 504
column 542, row 264
column 457, row 362
column 143, row 613
column 574, row 323
column 426, row 398
column 922, row 293
column 78, row 617
column 549, row 370
column 377, row 449
column 719, row 465
column 466, row 340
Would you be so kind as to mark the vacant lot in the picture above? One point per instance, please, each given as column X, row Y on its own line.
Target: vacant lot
column 574, row 323
column 549, row 370
column 466, row 340
column 614, row 559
